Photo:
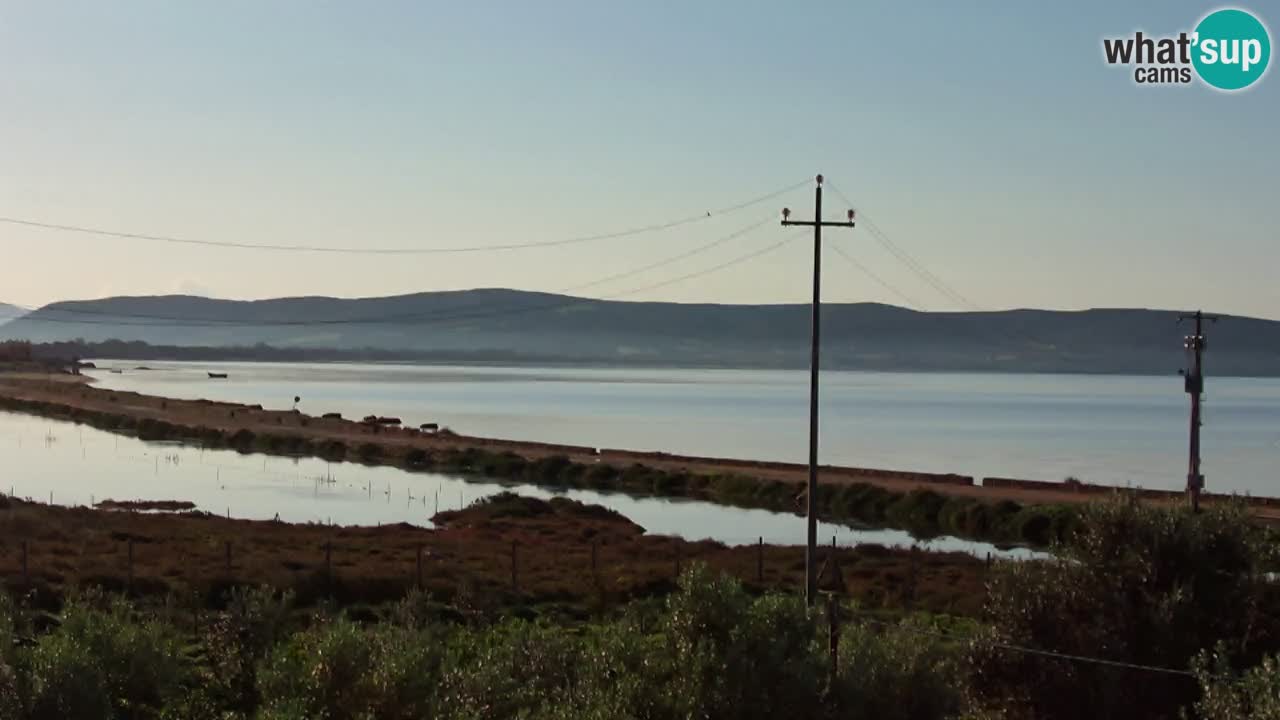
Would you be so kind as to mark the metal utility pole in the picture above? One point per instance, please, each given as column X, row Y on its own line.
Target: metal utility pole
column 1194, row 384
column 811, row 500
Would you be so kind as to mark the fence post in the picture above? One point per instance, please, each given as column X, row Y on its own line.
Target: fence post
column 833, row 638
column 328, row 566
column 760, row 559
column 911, row 581
column 515, row 579
column 419, row 566
column 595, row 572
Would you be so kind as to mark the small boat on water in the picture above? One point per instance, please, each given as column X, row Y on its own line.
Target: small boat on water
column 217, row 376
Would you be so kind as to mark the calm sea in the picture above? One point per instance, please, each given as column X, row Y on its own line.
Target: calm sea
column 1105, row 429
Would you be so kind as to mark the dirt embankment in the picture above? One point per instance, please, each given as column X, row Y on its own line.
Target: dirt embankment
column 230, row 418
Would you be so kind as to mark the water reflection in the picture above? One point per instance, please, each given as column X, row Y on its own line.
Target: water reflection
column 79, row 465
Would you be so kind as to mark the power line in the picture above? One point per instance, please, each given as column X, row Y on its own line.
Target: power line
column 1034, row 651
column 432, row 318
column 876, row 277
column 403, row 251
column 674, row 258
column 172, row 321
column 919, row 269
column 742, row 258
column 906, row 259
column 1015, row 335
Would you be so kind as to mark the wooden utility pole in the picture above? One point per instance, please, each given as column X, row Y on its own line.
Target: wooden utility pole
column 811, row 501
column 1194, row 385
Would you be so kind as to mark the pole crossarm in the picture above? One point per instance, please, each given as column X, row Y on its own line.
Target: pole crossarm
column 812, row 223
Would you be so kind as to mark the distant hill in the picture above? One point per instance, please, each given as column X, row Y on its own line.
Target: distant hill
column 9, row 312
column 514, row 324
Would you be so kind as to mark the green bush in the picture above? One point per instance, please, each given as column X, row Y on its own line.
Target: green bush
column 321, row 672
column 552, row 470
column 10, row 697
column 735, row 657
column 898, row 672
column 102, row 663
column 67, row 680
column 601, row 475
column 917, row 511
column 417, row 458
column 1255, row 695
column 513, row 669
column 238, row 639
column 1134, row 583
column 368, row 452
column 241, row 439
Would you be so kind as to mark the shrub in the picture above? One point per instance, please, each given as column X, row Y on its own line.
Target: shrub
column 254, row 620
column 101, row 663
column 10, row 700
column 507, row 504
column 549, row 470
column 733, row 657
column 514, row 669
column 899, row 672
column 322, row 672
column 241, row 439
column 1136, row 584
column 67, row 681
column 601, row 475
column 1225, row 696
column 417, row 457
column 369, row 452
column 918, row 511
column 340, row 671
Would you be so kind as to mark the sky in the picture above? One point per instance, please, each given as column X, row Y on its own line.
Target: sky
column 987, row 140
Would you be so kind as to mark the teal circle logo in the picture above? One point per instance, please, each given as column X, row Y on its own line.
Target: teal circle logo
column 1231, row 49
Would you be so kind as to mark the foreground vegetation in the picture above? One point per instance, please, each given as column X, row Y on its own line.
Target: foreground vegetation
column 924, row 512
column 1149, row 613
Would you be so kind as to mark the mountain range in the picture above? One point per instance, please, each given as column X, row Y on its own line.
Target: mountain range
column 537, row 327
column 9, row 312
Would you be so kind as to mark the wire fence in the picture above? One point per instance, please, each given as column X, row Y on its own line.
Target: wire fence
column 506, row 567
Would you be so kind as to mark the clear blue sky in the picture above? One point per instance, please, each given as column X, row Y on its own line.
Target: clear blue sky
column 987, row 139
